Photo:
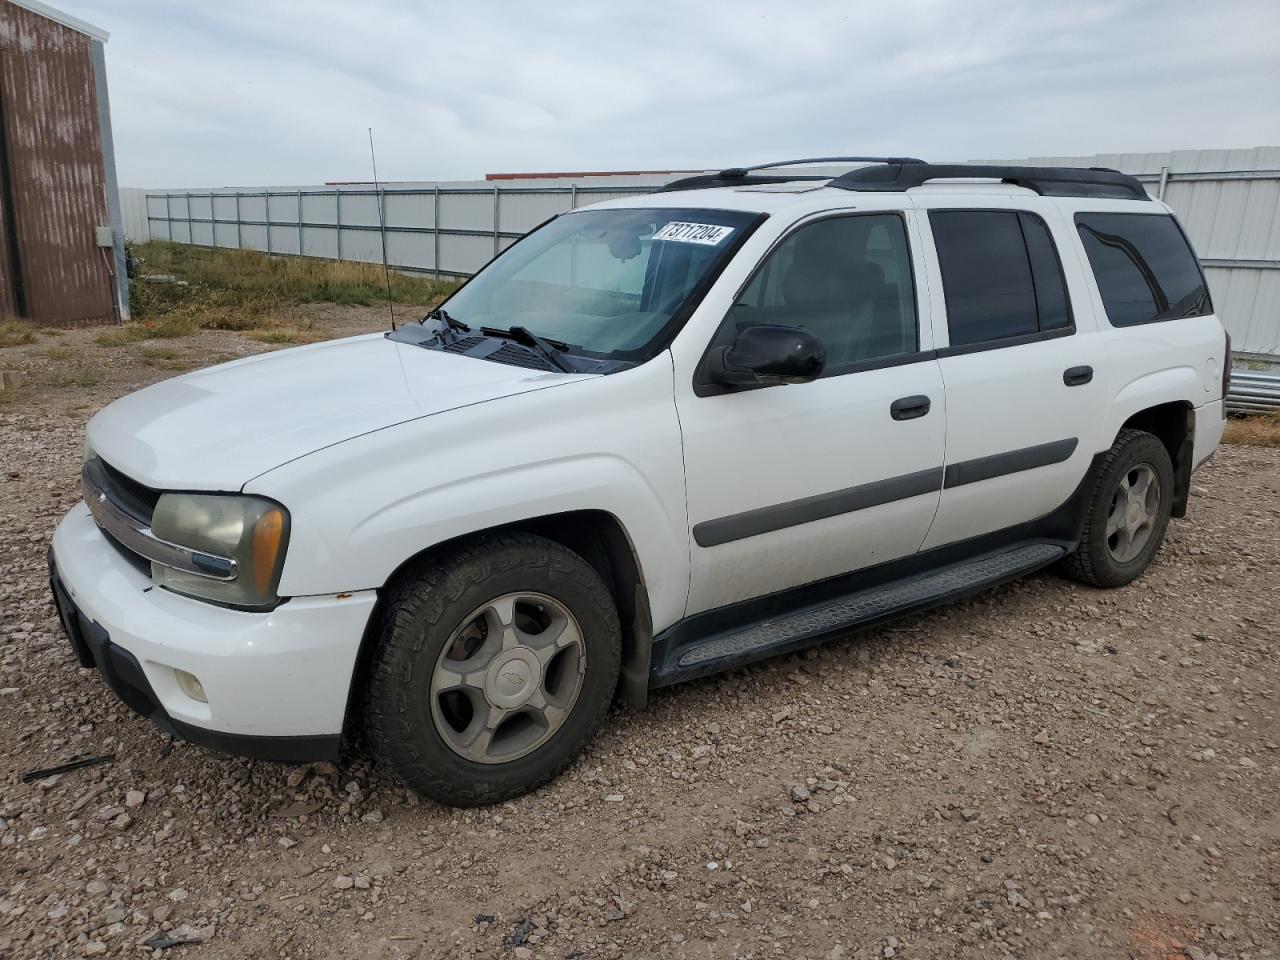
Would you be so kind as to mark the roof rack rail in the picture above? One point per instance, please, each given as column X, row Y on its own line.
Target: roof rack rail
column 1101, row 182
column 737, row 176
column 743, row 171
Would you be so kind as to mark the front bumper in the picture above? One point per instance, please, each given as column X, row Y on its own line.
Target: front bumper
column 276, row 682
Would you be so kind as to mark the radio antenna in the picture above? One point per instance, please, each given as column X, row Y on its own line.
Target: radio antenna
column 382, row 229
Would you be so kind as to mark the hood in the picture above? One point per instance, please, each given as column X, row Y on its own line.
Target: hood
column 216, row 429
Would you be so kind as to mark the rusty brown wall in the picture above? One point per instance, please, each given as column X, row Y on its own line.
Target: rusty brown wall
column 56, row 177
column 9, row 280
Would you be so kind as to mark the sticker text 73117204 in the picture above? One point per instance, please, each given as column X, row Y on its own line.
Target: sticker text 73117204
column 709, row 234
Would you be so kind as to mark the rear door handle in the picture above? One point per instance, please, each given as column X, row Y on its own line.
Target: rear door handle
column 908, row 408
column 1077, row 376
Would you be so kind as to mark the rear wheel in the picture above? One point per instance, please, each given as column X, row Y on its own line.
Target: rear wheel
column 1128, row 512
column 496, row 664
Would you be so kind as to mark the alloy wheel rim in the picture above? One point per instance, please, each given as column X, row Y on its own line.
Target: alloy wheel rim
column 508, row 677
column 1135, row 507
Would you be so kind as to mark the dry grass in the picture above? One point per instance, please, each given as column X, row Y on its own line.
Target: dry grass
column 16, row 333
column 287, row 336
column 241, row 290
column 73, row 377
column 167, row 358
column 1262, row 430
column 164, row 328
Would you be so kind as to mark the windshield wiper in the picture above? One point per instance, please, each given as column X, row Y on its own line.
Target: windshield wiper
column 440, row 313
column 549, row 350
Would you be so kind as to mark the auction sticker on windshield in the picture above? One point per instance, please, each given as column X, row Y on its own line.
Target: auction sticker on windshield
column 709, row 234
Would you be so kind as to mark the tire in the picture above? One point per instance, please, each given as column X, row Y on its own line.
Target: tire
column 1101, row 558
column 436, row 739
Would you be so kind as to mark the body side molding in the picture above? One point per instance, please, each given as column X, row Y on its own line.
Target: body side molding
column 1012, row 461
column 752, row 523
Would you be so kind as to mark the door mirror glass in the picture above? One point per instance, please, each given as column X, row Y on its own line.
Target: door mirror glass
column 769, row 355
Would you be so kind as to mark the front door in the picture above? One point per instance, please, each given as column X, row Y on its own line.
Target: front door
column 791, row 484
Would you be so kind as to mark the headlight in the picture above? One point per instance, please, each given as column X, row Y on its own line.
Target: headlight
column 251, row 531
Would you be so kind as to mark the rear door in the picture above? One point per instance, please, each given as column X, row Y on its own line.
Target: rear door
column 1019, row 355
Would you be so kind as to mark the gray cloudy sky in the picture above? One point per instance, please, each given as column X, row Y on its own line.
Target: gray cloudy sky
column 250, row 92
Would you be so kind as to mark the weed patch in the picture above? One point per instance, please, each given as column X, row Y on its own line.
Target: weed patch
column 1262, row 430
column 16, row 333
column 80, row 377
column 286, row 336
column 192, row 288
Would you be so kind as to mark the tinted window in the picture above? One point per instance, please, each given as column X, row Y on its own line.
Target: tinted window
column 1000, row 275
column 1046, row 273
column 847, row 280
column 1144, row 267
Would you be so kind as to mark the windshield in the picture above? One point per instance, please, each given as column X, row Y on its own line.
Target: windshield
column 615, row 283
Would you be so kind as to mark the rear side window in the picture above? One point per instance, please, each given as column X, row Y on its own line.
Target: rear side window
column 1001, row 276
column 1144, row 266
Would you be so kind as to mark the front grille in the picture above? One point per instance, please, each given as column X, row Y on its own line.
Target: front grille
column 135, row 499
column 140, row 501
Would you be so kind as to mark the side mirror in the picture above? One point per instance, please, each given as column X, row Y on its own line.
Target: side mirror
column 768, row 355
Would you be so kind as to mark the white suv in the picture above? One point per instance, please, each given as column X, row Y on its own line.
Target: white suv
column 656, row 438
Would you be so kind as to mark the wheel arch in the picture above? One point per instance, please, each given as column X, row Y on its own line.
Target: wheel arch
column 602, row 541
column 1173, row 423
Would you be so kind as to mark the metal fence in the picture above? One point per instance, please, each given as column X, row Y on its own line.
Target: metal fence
column 1253, row 391
column 445, row 230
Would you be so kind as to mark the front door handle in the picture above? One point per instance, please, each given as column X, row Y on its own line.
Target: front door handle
column 1077, row 376
column 908, row 408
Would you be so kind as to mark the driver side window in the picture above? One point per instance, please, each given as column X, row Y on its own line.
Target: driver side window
column 846, row 280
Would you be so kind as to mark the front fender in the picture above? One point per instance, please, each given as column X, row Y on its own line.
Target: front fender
column 361, row 508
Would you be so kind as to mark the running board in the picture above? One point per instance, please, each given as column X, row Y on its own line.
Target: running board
column 684, row 657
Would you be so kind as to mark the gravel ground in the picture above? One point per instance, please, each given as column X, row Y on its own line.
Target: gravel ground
column 1044, row 771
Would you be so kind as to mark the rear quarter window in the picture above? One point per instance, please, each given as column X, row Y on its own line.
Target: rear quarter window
column 1145, row 268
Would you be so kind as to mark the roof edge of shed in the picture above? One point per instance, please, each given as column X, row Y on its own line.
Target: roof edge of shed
column 66, row 19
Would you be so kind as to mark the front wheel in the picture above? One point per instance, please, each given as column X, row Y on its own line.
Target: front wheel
column 496, row 664
column 1127, row 514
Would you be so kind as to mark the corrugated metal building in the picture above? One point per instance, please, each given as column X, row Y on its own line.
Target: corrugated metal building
column 61, row 238
column 1229, row 202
